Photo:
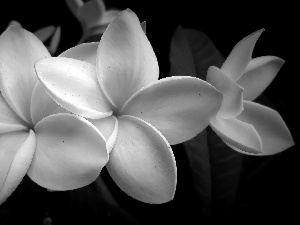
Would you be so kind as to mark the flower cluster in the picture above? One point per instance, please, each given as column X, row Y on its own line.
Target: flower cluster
column 62, row 119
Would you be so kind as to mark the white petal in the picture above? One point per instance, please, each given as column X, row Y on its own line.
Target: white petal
column 179, row 107
column 126, row 61
column 241, row 135
column 142, row 163
column 232, row 104
column 271, row 128
column 16, row 153
column 9, row 120
column 85, row 52
column 70, row 153
column 109, row 128
column 258, row 75
column 20, row 49
column 240, row 56
column 73, row 85
column 42, row 105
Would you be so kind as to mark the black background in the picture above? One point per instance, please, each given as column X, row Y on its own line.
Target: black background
column 273, row 194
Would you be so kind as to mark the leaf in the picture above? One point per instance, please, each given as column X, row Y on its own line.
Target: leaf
column 192, row 53
column 198, row 155
column 215, row 166
column 45, row 33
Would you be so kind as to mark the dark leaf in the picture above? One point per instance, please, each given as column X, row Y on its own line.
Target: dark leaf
column 215, row 166
column 192, row 53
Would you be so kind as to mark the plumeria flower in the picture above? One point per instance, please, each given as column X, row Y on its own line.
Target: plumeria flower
column 246, row 126
column 44, row 35
column 117, row 80
column 58, row 150
column 92, row 15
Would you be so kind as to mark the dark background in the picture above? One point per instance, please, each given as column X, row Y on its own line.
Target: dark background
column 272, row 195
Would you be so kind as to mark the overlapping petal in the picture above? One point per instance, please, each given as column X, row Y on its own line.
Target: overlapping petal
column 274, row 134
column 240, row 56
column 126, row 61
column 243, row 136
column 70, row 153
column 179, row 107
column 259, row 73
column 9, row 120
column 142, row 163
column 16, row 153
column 86, row 52
column 73, row 85
column 42, row 105
column 109, row 128
column 232, row 104
column 20, row 49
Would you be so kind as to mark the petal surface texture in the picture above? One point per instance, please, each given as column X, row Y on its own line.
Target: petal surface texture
column 272, row 129
column 125, row 59
column 232, row 104
column 142, row 163
column 70, row 153
column 259, row 73
column 108, row 126
column 9, row 120
column 42, row 105
column 85, row 52
column 16, row 153
column 20, row 49
column 179, row 107
column 73, row 84
column 240, row 56
column 241, row 135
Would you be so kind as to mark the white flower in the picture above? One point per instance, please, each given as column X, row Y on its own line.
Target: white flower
column 58, row 150
column 117, row 81
column 246, row 126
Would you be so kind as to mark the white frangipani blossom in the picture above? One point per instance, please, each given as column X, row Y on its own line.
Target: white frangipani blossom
column 246, row 126
column 58, row 150
column 115, row 84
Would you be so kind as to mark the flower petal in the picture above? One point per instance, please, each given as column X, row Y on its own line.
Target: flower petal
column 240, row 56
column 271, row 128
column 42, row 105
column 258, row 75
column 70, row 153
column 142, row 163
column 85, row 52
column 73, row 85
column 179, row 107
column 9, row 120
column 16, row 153
column 241, row 135
column 232, row 104
column 109, row 128
column 125, row 59
column 20, row 49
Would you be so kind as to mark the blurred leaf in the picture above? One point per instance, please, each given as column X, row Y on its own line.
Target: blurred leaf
column 192, row 53
column 55, row 41
column 143, row 25
column 45, row 33
column 198, row 155
column 215, row 166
